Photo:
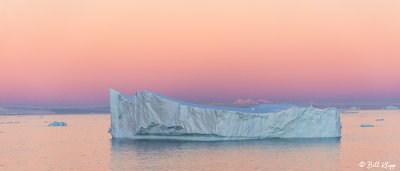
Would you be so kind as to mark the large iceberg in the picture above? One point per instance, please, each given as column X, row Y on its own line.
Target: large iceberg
column 148, row 114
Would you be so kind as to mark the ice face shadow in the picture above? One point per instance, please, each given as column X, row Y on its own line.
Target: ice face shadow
column 142, row 145
column 241, row 154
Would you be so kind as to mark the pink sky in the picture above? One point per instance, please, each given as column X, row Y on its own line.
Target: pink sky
column 68, row 52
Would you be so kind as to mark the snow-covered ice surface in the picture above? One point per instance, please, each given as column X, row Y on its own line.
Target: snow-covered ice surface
column 148, row 115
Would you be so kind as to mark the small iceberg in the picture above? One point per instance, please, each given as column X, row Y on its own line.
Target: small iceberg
column 354, row 108
column 9, row 122
column 367, row 125
column 346, row 111
column 55, row 123
column 380, row 119
column 391, row 108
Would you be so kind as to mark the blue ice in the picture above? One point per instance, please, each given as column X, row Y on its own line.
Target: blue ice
column 367, row 125
column 55, row 123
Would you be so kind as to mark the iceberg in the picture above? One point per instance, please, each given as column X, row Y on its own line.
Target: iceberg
column 16, row 122
column 367, row 125
column 55, row 123
column 149, row 115
column 390, row 108
column 346, row 111
column 354, row 108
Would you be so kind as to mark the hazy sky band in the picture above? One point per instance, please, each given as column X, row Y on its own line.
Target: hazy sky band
column 68, row 52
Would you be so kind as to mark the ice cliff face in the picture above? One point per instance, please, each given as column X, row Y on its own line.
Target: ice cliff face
column 148, row 113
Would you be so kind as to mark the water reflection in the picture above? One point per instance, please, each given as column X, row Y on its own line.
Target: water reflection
column 264, row 154
column 30, row 144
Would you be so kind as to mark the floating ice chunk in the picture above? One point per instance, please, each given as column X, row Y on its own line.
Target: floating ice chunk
column 354, row 108
column 380, row 119
column 55, row 123
column 151, row 114
column 367, row 125
column 347, row 111
column 10, row 122
column 390, row 108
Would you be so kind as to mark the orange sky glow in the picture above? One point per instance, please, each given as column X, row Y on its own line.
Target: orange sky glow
column 68, row 52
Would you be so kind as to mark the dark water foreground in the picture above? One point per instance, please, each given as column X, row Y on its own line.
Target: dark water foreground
column 27, row 143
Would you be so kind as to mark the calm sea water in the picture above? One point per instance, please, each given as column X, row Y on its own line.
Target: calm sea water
column 29, row 144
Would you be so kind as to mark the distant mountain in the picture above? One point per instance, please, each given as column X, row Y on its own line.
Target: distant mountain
column 250, row 101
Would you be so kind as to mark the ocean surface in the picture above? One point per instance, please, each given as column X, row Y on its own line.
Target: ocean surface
column 28, row 143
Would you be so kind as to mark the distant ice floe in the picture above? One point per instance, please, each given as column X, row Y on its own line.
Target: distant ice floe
column 55, row 123
column 23, row 110
column 346, row 111
column 367, row 125
column 390, row 108
column 10, row 122
column 380, row 119
column 148, row 114
column 354, row 108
